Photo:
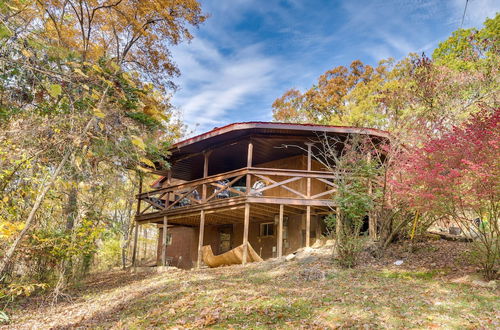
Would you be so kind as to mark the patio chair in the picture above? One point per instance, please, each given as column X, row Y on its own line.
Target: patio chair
column 222, row 193
column 256, row 186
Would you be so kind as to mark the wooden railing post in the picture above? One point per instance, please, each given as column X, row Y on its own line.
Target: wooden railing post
column 309, row 165
column 205, row 174
column 280, row 232
column 200, row 239
column 245, row 233
column 249, row 164
column 138, row 211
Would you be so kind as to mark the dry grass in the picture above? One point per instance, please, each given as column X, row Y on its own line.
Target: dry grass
column 278, row 294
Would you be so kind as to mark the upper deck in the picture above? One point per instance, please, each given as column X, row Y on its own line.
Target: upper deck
column 266, row 164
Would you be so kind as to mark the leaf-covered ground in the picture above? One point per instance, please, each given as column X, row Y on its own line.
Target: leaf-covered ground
column 432, row 288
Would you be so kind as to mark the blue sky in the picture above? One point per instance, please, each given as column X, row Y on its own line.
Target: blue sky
column 249, row 52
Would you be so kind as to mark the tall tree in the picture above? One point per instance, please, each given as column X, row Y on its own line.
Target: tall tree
column 86, row 81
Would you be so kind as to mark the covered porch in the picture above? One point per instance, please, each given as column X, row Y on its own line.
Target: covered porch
column 273, row 230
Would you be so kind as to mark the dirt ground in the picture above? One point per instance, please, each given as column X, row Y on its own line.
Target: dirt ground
column 435, row 286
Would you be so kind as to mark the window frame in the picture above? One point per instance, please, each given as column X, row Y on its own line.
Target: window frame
column 263, row 225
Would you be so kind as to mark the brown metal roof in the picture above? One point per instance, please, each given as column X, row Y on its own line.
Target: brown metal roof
column 229, row 145
column 270, row 126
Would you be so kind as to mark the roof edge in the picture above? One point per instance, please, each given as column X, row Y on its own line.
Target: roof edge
column 279, row 125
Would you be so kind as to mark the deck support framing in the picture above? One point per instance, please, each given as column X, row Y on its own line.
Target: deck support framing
column 200, row 239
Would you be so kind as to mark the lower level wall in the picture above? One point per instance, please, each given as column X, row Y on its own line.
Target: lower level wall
column 183, row 247
column 183, row 250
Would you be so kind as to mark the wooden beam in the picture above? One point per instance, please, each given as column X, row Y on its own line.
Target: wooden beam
column 254, row 170
column 245, row 233
column 308, row 226
column 229, row 209
column 164, row 242
column 262, row 213
column 249, row 164
column 294, row 210
column 309, row 162
column 138, row 211
column 200, row 238
column 291, row 201
column 280, row 184
column 280, row 232
column 206, row 155
column 197, row 182
column 309, row 156
column 250, row 154
column 290, row 172
column 277, row 184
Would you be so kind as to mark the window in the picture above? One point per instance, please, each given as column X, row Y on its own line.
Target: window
column 169, row 239
column 267, row 229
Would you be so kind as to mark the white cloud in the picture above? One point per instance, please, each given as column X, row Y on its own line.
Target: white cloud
column 214, row 84
column 249, row 52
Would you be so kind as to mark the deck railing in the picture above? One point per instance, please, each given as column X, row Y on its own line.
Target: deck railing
column 245, row 182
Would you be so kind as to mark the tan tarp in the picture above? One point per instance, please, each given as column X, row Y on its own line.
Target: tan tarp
column 232, row 257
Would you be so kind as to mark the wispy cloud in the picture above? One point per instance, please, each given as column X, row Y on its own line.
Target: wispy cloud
column 251, row 51
column 216, row 84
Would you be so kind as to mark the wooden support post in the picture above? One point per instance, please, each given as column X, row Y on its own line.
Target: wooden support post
column 164, row 242
column 245, row 233
column 309, row 165
column 280, row 232
column 250, row 154
column 205, row 174
column 308, row 226
column 249, row 164
column 200, row 238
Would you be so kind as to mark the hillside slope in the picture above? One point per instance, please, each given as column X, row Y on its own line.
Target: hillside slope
column 308, row 291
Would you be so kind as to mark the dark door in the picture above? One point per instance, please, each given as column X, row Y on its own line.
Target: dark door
column 225, row 238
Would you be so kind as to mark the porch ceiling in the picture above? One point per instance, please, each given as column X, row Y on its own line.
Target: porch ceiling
column 233, row 155
column 258, row 212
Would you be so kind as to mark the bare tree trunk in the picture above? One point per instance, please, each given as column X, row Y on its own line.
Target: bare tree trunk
column 145, row 245
column 41, row 196
column 38, row 202
column 71, row 208
column 127, row 233
column 31, row 217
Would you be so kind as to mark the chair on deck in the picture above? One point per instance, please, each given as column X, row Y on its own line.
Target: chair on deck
column 256, row 186
column 186, row 201
column 157, row 203
column 222, row 193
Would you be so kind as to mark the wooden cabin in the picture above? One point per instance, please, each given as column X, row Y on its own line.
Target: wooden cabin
column 254, row 182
